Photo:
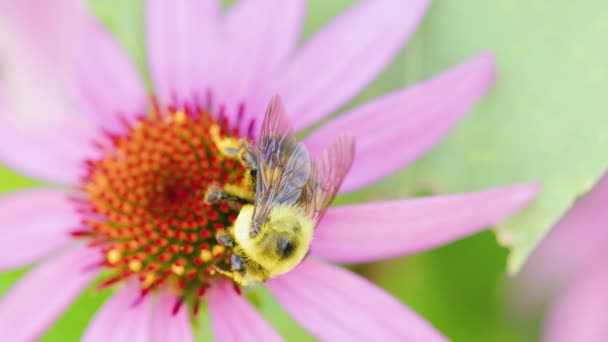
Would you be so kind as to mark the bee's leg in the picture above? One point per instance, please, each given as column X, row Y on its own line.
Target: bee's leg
column 237, row 271
column 238, row 264
column 235, row 276
column 224, row 238
column 223, row 272
column 228, row 146
column 215, row 194
column 247, row 156
column 249, row 161
column 240, row 149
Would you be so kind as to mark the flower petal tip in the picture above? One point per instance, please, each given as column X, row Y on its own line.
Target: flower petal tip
column 526, row 192
column 484, row 64
column 518, row 196
column 413, row 225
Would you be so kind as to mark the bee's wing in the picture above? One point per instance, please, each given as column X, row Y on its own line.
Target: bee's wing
column 332, row 167
column 284, row 165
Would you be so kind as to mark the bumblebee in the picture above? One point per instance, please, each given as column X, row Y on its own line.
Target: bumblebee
column 289, row 195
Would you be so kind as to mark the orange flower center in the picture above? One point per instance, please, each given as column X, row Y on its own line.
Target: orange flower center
column 144, row 205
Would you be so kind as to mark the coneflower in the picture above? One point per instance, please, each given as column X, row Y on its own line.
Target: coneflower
column 127, row 171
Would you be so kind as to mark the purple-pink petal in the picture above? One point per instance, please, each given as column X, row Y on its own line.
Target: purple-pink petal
column 336, row 305
column 372, row 231
column 41, row 296
column 41, row 41
column 233, row 319
column 106, row 80
column 181, row 45
column 37, row 56
column 169, row 327
column 259, row 36
column 570, row 247
column 34, row 223
column 394, row 130
column 65, row 148
column 121, row 321
column 345, row 56
column 580, row 313
column 67, row 143
column 37, row 37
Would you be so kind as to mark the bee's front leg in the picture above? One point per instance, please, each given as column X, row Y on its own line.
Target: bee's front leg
column 238, row 264
column 228, row 146
column 236, row 277
column 225, row 238
column 216, row 194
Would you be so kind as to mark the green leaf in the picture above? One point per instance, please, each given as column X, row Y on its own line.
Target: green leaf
column 545, row 121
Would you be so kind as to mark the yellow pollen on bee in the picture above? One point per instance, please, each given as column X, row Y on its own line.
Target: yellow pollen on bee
column 224, row 143
column 238, row 278
column 205, row 255
column 240, row 190
column 135, row 265
column 215, row 133
column 113, row 256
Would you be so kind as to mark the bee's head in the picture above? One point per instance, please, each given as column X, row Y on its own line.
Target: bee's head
column 282, row 240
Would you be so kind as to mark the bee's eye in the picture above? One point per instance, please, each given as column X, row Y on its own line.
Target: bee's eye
column 285, row 248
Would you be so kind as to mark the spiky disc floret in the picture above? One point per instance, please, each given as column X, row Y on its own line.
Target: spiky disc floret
column 143, row 206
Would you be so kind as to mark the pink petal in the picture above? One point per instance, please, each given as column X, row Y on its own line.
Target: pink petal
column 234, row 319
column 580, row 314
column 167, row 327
column 181, row 44
column 58, row 53
column 107, row 81
column 394, row 130
column 37, row 37
column 66, row 145
column 41, row 296
column 373, row 231
column 572, row 245
column 119, row 320
column 35, row 222
column 259, row 36
column 343, row 58
column 336, row 305
column 36, row 107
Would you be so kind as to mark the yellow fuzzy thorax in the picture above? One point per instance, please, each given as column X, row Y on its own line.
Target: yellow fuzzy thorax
column 286, row 223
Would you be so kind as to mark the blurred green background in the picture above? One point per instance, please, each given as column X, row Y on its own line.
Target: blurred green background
column 544, row 121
